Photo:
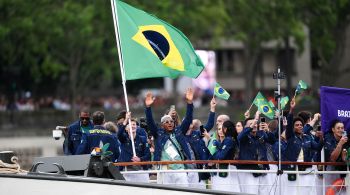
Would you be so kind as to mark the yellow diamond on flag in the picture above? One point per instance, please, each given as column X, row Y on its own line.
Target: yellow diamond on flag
column 157, row 40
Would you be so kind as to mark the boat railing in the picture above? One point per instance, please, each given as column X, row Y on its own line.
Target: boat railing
column 318, row 170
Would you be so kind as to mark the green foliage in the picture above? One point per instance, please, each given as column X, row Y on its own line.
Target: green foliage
column 72, row 42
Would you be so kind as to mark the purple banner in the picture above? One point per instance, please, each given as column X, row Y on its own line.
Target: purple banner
column 335, row 104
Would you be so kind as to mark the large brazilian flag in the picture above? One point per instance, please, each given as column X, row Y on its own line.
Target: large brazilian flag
column 151, row 47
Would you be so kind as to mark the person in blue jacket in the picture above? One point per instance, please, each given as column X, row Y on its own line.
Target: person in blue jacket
column 99, row 136
column 335, row 148
column 141, row 149
column 194, row 136
column 75, row 132
column 227, row 149
column 300, row 147
column 170, row 142
column 252, row 146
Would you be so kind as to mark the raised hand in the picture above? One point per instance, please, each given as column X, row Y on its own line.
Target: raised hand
column 247, row 114
column 343, row 140
column 317, row 116
column 264, row 126
column 189, row 95
column 257, row 115
column 149, row 99
column 212, row 104
column 292, row 103
column 127, row 117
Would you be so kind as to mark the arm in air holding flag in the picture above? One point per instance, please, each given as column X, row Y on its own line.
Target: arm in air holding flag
column 189, row 111
column 149, row 100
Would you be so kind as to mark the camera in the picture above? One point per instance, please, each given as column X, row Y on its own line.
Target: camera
column 319, row 128
column 262, row 120
column 57, row 133
column 345, row 134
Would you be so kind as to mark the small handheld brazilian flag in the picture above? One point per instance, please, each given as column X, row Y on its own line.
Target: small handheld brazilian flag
column 301, row 86
column 264, row 106
column 221, row 92
column 284, row 102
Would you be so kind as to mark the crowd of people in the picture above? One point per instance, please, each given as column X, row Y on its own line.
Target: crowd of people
column 255, row 138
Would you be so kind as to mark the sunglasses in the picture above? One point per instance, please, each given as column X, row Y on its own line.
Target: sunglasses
column 298, row 124
column 168, row 121
column 84, row 118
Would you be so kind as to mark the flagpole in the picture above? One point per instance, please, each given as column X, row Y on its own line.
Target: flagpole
column 122, row 70
column 250, row 107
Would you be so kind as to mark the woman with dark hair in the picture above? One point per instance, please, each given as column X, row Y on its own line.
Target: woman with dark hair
column 226, row 145
column 239, row 126
column 300, row 147
column 336, row 144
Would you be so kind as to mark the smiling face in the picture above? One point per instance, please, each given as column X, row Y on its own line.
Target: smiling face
column 239, row 127
column 338, row 129
column 84, row 118
column 298, row 127
column 168, row 125
column 133, row 130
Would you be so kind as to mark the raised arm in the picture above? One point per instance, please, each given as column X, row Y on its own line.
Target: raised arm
column 211, row 118
column 338, row 149
column 149, row 100
column 122, row 134
column 310, row 126
column 290, row 128
column 189, row 111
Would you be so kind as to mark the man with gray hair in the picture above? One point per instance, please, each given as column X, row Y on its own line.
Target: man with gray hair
column 170, row 141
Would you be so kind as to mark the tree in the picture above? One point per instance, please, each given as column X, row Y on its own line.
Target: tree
column 257, row 22
column 328, row 21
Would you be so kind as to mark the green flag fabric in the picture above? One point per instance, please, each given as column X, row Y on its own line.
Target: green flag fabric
column 152, row 48
column 284, row 101
column 301, row 86
column 264, row 106
column 221, row 92
column 272, row 105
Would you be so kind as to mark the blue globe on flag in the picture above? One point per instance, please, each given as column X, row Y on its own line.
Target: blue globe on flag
column 221, row 90
column 266, row 109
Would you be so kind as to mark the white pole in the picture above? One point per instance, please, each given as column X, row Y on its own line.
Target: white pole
column 279, row 128
column 122, row 70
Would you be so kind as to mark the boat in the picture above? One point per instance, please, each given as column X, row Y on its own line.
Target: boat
column 82, row 174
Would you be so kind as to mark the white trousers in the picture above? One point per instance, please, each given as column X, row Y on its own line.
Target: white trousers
column 249, row 183
column 229, row 183
column 173, row 179
column 304, row 184
column 193, row 181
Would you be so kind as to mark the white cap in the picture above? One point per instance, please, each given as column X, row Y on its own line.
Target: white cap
column 165, row 118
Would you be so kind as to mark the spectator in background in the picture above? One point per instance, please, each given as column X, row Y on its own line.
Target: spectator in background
column 110, row 126
column 75, row 132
